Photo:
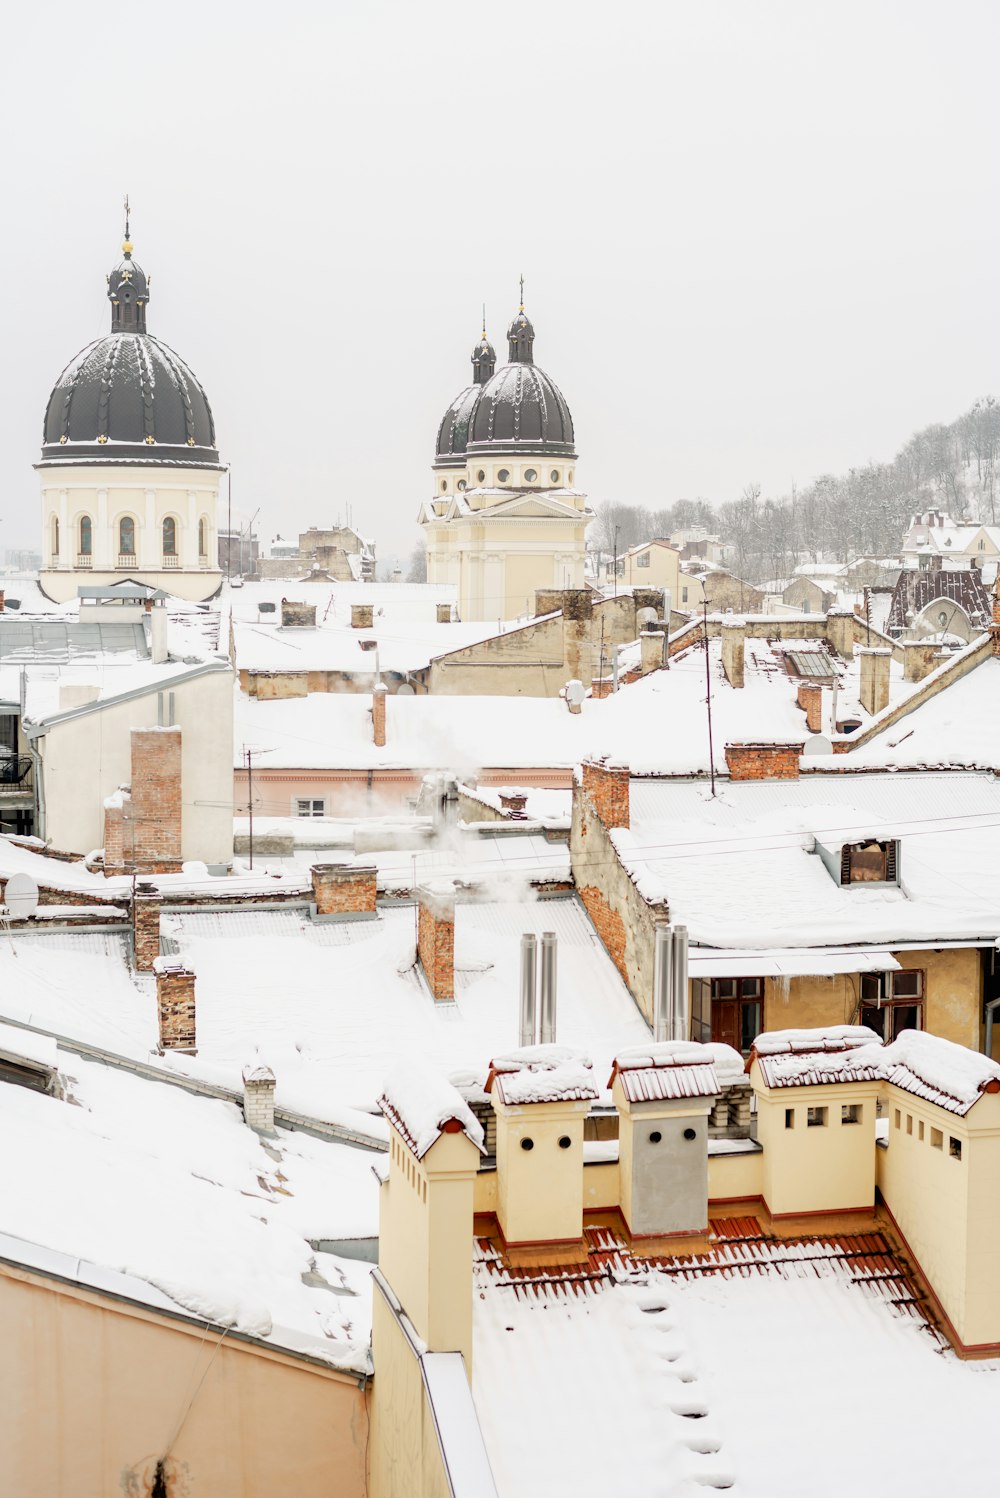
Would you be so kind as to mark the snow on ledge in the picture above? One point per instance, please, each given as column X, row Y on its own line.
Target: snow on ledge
column 542, row 1074
column 419, row 1103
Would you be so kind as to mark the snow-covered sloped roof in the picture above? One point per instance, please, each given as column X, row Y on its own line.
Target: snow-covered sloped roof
column 740, row 870
column 466, row 733
column 631, row 1377
column 542, row 1074
column 421, row 1104
column 334, row 1007
column 940, row 1071
column 139, row 1177
column 959, row 726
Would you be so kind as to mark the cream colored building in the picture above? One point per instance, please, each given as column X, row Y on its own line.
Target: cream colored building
column 129, row 469
column 506, row 517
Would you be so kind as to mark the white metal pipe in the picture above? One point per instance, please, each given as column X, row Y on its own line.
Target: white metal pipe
column 680, row 998
column 529, row 963
column 662, row 981
column 547, row 1027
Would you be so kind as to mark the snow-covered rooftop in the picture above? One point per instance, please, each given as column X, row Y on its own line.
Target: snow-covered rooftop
column 740, row 871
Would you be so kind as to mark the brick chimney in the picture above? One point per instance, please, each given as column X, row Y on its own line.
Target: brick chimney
column 513, row 803
column 379, row 693
column 343, row 889
column 920, row 658
column 436, row 940
column 114, row 830
column 362, row 615
column 763, row 761
column 175, row 1006
column 734, row 639
column 3, row 601
column 607, row 787
column 258, row 1097
column 840, row 631
column 154, row 833
column 297, row 615
column 444, row 613
column 874, row 691
column 578, row 625
column 810, row 699
column 146, row 909
column 651, row 645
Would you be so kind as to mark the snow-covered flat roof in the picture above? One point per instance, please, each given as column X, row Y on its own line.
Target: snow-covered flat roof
column 739, row 870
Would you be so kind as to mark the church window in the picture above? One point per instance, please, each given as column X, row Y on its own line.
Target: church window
column 530, row 475
column 554, row 476
column 202, row 538
column 86, row 536
column 170, row 537
column 570, row 476
column 481, row 476
column 126, row 537
column 503, row 475
column 461, row 484
column 444, row 486
column 55, row 535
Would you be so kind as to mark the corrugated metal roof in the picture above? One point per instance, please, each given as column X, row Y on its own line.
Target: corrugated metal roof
column 655, row 1084
column 64, row 639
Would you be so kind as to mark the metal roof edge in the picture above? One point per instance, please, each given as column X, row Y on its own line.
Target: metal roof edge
column 36, row 730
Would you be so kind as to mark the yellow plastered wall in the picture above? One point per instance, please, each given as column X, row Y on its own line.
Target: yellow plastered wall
column 405, row 1457
column 948, row 1209
column 540, row 1190
column 829, row 1167
column 94, row 1387
column 952, row 996
column 425, row 1238
column 733, row 1177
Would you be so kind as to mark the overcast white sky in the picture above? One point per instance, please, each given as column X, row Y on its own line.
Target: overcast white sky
column 760, row 239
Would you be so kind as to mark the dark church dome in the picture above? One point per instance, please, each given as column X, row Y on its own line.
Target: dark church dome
column 453, row 433
column 521, row 410
column 127, row 397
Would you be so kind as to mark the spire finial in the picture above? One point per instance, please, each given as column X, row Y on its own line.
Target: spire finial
column 484, row 322
column 522, row 292
column 127, row 242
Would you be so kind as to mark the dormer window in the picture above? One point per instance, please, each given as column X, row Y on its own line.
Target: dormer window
column 870, row 863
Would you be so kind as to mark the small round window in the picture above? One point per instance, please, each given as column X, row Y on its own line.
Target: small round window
column 503, row 475
column 530, row 475
column 554, row 475
column 480, row 476
column 461, row 484
column 444, row 486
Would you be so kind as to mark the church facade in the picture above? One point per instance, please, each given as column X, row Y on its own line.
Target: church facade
column 505, row 517
column 129, row 469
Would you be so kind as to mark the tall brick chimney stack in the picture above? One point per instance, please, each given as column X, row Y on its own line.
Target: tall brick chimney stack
column 436, row 939
column 379, row 693
column 175, row 1006
column 874, row 691
column 810, row 699
column 607, row 787
column 153, row 837
column 145, row 925
column 651, row 648
column 734, row 641
column 362, row 615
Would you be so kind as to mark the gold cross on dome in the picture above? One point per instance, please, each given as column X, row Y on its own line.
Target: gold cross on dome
column 126, row 275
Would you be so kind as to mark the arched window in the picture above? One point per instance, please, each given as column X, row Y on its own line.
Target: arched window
column 170, row 537
column 86, row 536
column 202, row 538
column 126, row 537
column 55, row 535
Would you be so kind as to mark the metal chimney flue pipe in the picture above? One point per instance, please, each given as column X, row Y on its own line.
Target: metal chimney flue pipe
column 547, row 1027
column 679, row 985
column 529, row 963
column 663, row 943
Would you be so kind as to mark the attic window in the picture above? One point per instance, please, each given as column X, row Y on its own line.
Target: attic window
column 642, row 560
column 815, row 665
column 869, row 863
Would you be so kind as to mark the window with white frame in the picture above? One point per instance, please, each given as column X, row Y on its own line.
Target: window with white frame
column 309, row 806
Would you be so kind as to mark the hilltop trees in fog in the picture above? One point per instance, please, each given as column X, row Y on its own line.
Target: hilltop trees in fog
column 864, row 512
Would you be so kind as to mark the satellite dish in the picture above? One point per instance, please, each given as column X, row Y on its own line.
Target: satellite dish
column 575, row 692
column 405, row 690
column 818, row 744
column 21, row 896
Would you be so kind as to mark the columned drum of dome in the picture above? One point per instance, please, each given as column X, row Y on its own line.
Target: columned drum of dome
column 129, row 448
column 505, row 517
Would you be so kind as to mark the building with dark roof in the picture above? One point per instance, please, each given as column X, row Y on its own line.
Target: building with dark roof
column 505, row 518
column 130, row 464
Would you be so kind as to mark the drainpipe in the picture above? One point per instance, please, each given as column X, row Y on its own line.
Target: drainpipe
column 36, row 760
column 991, row 1008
